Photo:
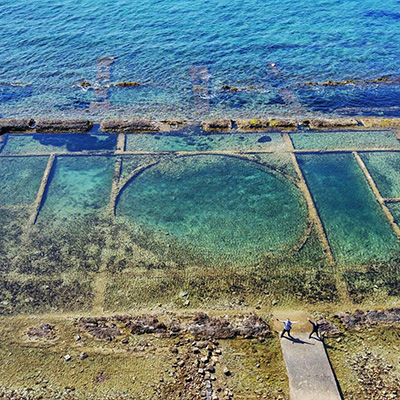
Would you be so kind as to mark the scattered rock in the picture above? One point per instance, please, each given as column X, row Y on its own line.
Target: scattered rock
column 146, row 324
column 360, row 318
column 83, row 356
column 228, row 327
column 44, row 331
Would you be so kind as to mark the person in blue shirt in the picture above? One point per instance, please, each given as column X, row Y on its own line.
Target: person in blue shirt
column 287, row 326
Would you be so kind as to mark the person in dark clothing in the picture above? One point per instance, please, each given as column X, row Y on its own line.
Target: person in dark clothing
column 287, row 326
column 315, row 328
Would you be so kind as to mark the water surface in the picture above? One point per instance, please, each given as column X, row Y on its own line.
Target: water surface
column 183, row 52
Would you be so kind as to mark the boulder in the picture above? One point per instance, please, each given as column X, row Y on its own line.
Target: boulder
column 16, row 125
column 63, row 125
column 130, row 126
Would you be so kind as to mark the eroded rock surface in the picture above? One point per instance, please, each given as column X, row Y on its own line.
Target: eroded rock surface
column 61, row 125
column 16, row 125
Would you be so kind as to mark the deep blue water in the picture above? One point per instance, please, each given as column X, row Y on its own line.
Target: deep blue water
column 182, row 52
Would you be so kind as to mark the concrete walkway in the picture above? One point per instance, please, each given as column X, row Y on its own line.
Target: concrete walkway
column 310, row 374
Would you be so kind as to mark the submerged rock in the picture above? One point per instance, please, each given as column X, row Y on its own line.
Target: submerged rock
column 61, row 125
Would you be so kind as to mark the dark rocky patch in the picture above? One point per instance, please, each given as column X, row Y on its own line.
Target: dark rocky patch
column 227, row 327
column 44, row 331
column 146, row 324
column 202, row 326
column 99, row 328
column 361, row 318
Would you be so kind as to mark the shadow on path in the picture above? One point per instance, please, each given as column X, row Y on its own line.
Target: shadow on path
column 297, row 340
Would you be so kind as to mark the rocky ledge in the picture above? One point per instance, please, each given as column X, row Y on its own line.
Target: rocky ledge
column 63, row 125
column 16, row 125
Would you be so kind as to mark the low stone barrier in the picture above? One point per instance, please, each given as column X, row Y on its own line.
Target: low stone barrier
column 16, row 125
column 63, row 125
column 227, row 125
column 330, row 123
column 127, row 126
column 217, row 125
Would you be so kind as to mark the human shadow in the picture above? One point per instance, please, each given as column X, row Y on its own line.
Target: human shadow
column 318, row 339
column 297, row 340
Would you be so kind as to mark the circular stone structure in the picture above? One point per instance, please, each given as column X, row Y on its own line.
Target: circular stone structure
column 221, row 206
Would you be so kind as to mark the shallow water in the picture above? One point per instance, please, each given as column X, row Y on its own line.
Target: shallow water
column 356, row 226
column 20, row 179
column 211, row 142
column 59, row 143
column 172, row 48
column 385, row 170
column 344, row 140
column 395, row 210
column 222, row 206
column 78, row 186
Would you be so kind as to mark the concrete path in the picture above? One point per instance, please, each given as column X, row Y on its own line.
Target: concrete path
column 309, row 371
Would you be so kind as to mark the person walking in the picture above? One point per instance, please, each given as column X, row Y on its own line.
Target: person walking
column 315, row 328
column 287, row 326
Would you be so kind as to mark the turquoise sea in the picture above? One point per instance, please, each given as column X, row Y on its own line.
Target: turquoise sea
column 195, row 59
